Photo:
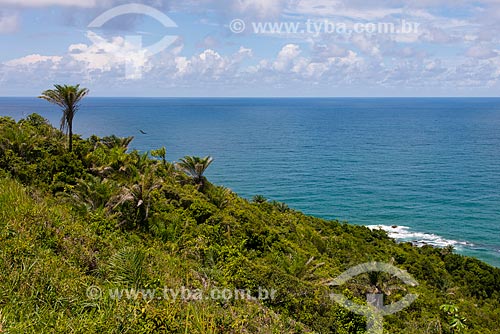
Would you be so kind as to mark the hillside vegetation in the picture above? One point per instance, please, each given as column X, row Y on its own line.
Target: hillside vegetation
column 75, row 225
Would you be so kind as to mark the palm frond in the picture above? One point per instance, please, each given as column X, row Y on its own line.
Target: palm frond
column 194, row 167
column 68, row 98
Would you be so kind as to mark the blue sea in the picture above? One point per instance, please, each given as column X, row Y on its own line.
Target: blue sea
column 428, row 167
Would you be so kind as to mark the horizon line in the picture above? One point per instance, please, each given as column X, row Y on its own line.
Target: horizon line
column 276, row 97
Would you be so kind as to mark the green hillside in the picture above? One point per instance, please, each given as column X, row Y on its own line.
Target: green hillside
column 78, row 228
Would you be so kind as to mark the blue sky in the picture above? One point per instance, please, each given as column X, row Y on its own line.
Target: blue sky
column 454, row 50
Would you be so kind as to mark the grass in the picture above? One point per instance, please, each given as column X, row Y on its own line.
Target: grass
column 102, row 219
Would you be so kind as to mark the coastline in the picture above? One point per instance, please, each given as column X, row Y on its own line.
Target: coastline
column 366, row 161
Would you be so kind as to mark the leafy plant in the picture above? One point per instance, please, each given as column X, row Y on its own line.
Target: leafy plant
column 54, row 249
column 160, row 153
column 259, row 199
column 455, row 320
column 92, row 193
column 137, row 197
column 126, row 267
column 280, row 206
column 68, row 98
column 219, row 196
column 195, row 167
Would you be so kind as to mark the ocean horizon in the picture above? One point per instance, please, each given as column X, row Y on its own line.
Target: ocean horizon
column 424, row 169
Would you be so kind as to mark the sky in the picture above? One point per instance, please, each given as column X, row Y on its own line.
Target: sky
column 252, row 48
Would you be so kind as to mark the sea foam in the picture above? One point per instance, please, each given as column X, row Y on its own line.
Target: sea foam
column 405, row 233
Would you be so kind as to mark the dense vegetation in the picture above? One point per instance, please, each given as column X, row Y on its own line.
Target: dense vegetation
column 102, row 216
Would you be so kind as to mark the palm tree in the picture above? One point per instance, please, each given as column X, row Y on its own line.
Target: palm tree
column 259, row 199
column 139, row 195
column 114, row 141
column 195, row 167
column 160, row 153
column 93, row 193
column 68, row 98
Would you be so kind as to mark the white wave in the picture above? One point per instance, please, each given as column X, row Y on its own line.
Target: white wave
column 404, row 233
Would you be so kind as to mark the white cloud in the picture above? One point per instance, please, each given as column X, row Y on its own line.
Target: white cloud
column 291, row 66
column 287, row 58
column 259, row 8
column 210, row 65
column 43, row 3
column 29, row 71
column 327, row 50
column 105, row 56
column 481, row 52
column 367, row 45
column 336, row 8
column 32, row 60
column 464, row 50
column 8, row 23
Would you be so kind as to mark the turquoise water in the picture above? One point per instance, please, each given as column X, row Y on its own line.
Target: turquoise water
column 429, row 166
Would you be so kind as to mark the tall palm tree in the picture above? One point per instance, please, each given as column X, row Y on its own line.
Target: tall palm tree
column 68, row 98
column 195, row 167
